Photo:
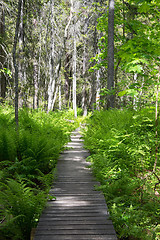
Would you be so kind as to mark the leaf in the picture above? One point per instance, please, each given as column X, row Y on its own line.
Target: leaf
column 132, row 92
column 144, row 8
column 122, row 93
column 137, row 69
column 7, row 71
column 129, row 92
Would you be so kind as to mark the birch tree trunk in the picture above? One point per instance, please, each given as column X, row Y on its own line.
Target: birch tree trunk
column 74, row 74
column 84, row 90
column 98, row 87
column 39, row 62
column 84, row 95
column 135, row 100
column 110, row 80
column 93, row 84
column 98, row 90
column 35, row 82
column 74, row 64
column 60, row 95
column 51, row 86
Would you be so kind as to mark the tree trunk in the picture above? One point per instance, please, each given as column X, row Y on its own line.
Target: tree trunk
column 39, row 64
column 74, row 75
column 135, row 100
column 84, row 95
column 98, row 87
column 21, row 56
column 51, row 87
column 67, row 75
column 15, row 60
column 36, row 84
column 110, row 80
column 74, row 64
column 98, row 90
column 2, row 54
column 67, row 68
column 93, row 84
column 55, row 96
column 156, row 123
column 60, row 95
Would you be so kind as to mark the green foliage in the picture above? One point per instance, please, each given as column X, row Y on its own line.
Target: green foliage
column 27, row 168
column 122, row 146
column 20, row 206
column 7, row 71
column 136, row 51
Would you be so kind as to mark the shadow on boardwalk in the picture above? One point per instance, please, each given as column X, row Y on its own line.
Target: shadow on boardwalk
column 79, row 212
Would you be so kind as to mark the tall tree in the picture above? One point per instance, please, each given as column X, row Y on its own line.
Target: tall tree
column 110, row 80
column 74, row 64
column 21, row 65
column 15, row 60
column 51, row 86
column 2, row 53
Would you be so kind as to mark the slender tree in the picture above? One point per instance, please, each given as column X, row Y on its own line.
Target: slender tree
column 15, row 60
column 51, row 86
column 2, row 54
column 74, row 66
column 110, row 80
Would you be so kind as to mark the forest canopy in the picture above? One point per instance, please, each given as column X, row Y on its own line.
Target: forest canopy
column 58, row 53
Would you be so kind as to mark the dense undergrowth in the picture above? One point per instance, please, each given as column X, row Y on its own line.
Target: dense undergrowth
column 123, row 147
column 27, row 165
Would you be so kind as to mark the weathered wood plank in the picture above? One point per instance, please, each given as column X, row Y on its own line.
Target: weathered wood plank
column 77, row 227
column 51, row 231
column 76, row 237
column 44, row 222
column 78, row 212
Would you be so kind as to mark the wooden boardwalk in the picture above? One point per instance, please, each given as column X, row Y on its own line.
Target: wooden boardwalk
column 79, row 212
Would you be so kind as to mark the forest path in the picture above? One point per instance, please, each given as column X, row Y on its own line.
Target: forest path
column 79, row 212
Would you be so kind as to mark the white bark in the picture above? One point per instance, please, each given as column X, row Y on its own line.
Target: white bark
column 74, row 77
column 55, row 96
column 51, row 86
column 35, row 79
column 135, row 97
column 21, row 62
column 98, row 87
column 74, row 67
column 84, row 95
column 98, row 90
column 60, row 95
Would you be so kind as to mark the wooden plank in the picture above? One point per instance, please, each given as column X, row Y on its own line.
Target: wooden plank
column 44, row 222
column 77, row 226
column 51, row 231
column 76, row 237
column 78, row 212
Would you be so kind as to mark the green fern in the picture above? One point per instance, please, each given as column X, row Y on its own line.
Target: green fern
column 22, row 204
